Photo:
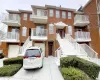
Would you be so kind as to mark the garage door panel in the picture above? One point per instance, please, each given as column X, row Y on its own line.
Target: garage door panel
column 41, row 45
column 13, row 51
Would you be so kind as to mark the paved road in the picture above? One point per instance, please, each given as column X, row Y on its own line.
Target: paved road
column 49, row 71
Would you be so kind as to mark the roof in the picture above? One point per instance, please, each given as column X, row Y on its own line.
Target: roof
column 52, row 6
column 13, row 11
column 29, row 11
column 18, row 11
column 36, row 6
column 87, row 4
column 60, row 24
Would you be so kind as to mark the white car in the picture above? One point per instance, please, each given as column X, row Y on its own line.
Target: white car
column 33, row 58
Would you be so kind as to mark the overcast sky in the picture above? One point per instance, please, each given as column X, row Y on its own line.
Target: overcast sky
column 26, row 4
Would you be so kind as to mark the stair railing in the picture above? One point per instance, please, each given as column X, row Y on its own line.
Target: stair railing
column 78, row 48
column 89, row 51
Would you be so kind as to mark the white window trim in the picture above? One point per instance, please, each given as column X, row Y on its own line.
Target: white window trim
column 57, row 14
column 25, row 16
column 64, row 14
column 51, row 12
column 30, row 17
column 51, row 29
column 24, row 31
column 69, row 15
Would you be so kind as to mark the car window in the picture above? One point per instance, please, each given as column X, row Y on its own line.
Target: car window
column 32, row 53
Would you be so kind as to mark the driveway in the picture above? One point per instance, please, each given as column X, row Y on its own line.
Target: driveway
column 50, row 71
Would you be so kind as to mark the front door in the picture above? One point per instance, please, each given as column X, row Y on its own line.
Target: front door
column 50, row 48
column 61, row 32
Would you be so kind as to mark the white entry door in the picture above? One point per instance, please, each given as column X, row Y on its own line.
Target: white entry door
column 13, row 51
column 41, row 45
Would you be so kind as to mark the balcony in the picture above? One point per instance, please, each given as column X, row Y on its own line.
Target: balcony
column 81, row 20
column 40, row 18
column 10, row 37
column 11, row 20
column 82, row 36
column 40, row 35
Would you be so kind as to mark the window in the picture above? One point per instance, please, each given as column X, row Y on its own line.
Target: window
column 40, row 12
column 39, row 30
column 25, row 16
column 70, row 30
column 69, row 15
column 32, row 53
column 30, row 17
column 51, row 29
column 24, row 31
column 63, row 14
column 51, row 13
column 57, row 14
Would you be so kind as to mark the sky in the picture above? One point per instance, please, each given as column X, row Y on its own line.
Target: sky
column 26, row 4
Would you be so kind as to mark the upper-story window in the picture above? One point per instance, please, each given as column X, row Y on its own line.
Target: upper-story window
column 63, row 14
column 30, row 17
column 69, row 15
column 51, row 13
column 25, row 16
column 57, row 14
column 40, row 12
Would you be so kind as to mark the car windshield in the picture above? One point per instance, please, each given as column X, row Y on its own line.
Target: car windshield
column 32, row 53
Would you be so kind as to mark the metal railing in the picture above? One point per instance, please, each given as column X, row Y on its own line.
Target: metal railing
column 81, row 18
column 10, row 36
column 39, row 32
column 10, row 17
column 77, row 46
column 82, row 35
column 25, row 46
column 90, row 51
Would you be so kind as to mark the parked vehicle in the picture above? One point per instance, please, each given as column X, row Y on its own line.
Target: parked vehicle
column 33, row 58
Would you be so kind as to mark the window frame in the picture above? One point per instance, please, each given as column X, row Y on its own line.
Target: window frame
column 57, row 13
column 69, row 15
column 25, row 16
column 64, row 15
column 30, row 17
column 51, row 12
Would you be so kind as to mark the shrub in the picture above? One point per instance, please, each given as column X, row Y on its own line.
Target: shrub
column 9, row 70
column 17, row 60
column 1, row 56
column 74, row 74
column 90, row 68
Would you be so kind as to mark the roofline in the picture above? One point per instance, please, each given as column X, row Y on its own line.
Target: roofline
column 87, row 4
column 13, row 11
column 29, row 11
column 36, row 6
column 51, row 6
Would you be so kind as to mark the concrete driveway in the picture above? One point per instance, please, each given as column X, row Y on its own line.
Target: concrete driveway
column 49, row 71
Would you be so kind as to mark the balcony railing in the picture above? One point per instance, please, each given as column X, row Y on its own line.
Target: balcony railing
column 10, row 37
column 82, row 36
column 81, row 20
column 40, row 17
column 11, row 19
column 39, row 34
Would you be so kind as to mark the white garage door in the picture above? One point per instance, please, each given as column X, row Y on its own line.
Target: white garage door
column 13, row 51
column 42, row 45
